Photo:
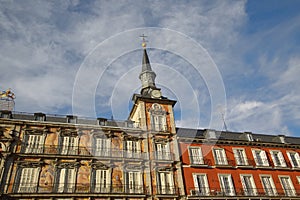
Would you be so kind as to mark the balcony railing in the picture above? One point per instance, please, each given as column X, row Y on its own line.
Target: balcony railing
column 197, row 160
column 84, row 151
column 258, row 192
column 223, row 161
column 80, row 188
column 166, row 190
column 160, row 155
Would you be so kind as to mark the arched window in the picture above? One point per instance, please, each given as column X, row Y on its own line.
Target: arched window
column 158, row 118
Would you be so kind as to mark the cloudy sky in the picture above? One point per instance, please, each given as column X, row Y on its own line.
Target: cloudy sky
column 239, row 59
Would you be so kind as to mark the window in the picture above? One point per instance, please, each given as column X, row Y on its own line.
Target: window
column 294, row 159
column 278, row 159
column 28, row 180
column 69, row 145
column 249, row 137
column 240, row 156
column 260, row 157
column 39, row 116
column 226, row 184
column 268, row 185
column 134, row 182
column 158, row 118
column 196, row 155
column 166, row 184
column 34, row 143
column 132, row 149
column 102, row 147
column 71, row 119
column 66, row 180
column 287, row 186
column 220, row 157
column 201, row 185
column 248, row 185
column 102, row 180
column 162, row 151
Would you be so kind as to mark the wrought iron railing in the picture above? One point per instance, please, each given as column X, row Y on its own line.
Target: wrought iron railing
column 85, row 151
column 167, row 190
column 197, row 160
column 161, row 155
column 260, row 192
column 80, row 188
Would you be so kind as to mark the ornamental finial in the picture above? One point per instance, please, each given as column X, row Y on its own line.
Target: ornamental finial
column 144, row 43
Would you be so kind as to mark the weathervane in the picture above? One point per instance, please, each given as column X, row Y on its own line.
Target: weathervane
column 144, row 44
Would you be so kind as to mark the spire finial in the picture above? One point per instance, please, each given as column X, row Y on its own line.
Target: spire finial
column 144, row 43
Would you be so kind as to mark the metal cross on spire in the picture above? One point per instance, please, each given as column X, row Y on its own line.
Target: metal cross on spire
column 144, row 44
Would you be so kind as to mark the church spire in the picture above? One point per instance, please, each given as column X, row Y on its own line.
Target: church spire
column 147, row 76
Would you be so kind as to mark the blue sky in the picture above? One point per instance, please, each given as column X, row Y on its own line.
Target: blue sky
column 236, row 58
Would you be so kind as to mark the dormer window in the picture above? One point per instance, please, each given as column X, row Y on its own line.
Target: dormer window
column 5, row 114
column 102, row 121
column 281, row 138
column 71, row 119
column 211, row 134
column 39, row 117
column 249, row 137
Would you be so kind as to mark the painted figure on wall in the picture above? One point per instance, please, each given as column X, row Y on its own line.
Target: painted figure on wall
column 83, row 178
column 47, row 178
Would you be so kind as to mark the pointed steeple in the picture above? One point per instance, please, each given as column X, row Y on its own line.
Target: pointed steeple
column 147, row 76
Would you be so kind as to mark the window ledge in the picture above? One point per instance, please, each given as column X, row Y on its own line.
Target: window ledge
column 263, row 167
column 224, row 166
column 199, row 165
column 244, row 166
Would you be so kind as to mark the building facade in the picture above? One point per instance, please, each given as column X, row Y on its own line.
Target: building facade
column 145, row 157
column 239, row 165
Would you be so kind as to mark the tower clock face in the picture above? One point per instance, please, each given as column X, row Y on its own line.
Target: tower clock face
column 156, row 94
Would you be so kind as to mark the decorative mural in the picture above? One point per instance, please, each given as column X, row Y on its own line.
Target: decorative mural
column 47, row 178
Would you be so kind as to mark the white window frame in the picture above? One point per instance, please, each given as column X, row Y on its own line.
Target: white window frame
column 69, row 145
column 240, row 156
column 262, row 160
column 278, row 158
column 134, row 182
column 227, row 190
column 201, row 189
column 166, row 182
column 196, row 156
column 102, row 180
column 158, row 118
column 220, row 156
column 28, row 179
column 66, row 180
column 163, row 151
column 249, row 187
column 269, row 187
column 34, row 143
column 287, row 185
column 297, row 159
column 132, row 148
column 102, row 146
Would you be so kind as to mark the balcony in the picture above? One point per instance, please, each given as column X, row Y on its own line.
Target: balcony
column 79, row 189
column 197, row 161
column 167, row 190
column 240, row 192
column 224, row 162
column 163, row 156
column 54, row 150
